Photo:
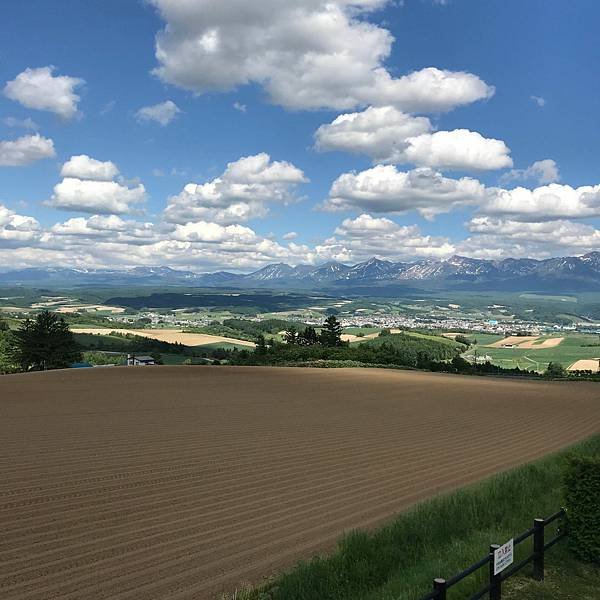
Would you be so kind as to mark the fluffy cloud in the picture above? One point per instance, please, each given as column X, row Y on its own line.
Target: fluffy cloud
column 202, row 231
column 502, row 238
column 239, row 194
column 162, row 113
column 105, row 197
column 366, row 236
column 552, row 201
column 87, row 186
column 385, row 189
column 17, row 230
column 542, row 171
column 25, row 150
column 379, row 132
column 84, row 167
column 388, row 135
column 459, row 149
column 42, row 90
column 109, row 227
column 308, row 54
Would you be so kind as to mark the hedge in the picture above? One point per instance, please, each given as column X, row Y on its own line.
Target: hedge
column 582, row 482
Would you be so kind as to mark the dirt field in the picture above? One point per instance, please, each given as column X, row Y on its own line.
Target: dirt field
column 593, row 364
column 527, row 342
column 169, row 335
column 90, row 308
column 175, row 483
column 350, row 337
column 515, row 340
column 547, row 343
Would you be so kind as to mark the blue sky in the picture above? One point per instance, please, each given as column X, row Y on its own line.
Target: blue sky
column 472, row 128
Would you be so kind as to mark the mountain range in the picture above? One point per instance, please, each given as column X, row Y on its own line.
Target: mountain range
column 577, row 274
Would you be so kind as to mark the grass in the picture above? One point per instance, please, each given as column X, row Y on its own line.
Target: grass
column 363, row 330
column 437, row 538
column 221, row 345
column 399, row 339
column 571, row 349
column 91, row 341
column 566, row 579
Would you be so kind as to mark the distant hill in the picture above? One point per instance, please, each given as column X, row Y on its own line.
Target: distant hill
column 578, row 274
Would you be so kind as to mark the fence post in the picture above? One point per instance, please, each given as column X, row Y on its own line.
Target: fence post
column 538, row 549
column 495, row 581
column 440, row 586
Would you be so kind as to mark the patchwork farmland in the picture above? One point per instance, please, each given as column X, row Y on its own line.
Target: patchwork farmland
column 181, row 482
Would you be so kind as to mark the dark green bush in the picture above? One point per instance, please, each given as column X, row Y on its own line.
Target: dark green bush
column 582, row 482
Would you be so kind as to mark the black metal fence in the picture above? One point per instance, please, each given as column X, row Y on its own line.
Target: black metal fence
column 494, row 586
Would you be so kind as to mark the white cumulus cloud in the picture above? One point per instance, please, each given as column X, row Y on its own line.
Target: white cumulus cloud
column 552, row 201
column 105, row 197
column 88, row 186
column 497, row 237
column 25, row 150
column 40, row 89
column 17, row 230
column 202, row 231
column 542, row 171
column 162, row 113
column 388, row 135
column 84, row 167
column 384, row 189
column 459, row 149
column 379, row 132
column 239, row 194
column 308, row 54
column 367, row 236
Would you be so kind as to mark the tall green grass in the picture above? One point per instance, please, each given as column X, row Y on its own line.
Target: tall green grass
column 437, row 538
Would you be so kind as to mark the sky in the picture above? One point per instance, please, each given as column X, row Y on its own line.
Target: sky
column 227, row 134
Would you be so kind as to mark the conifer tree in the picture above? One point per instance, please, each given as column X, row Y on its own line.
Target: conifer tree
column 44, row 343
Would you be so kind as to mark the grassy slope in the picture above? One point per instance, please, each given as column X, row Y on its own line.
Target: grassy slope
column 437, row 538
column 398, row 339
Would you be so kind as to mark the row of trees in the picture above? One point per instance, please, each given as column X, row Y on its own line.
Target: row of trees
column 308, row 346
column 330, row 335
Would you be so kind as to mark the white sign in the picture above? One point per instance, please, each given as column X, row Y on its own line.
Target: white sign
column 503, row 557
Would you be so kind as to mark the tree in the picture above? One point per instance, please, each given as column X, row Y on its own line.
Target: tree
column 462, row 339
column 308, row 337
column 6, row 363
column 555, row 370
column 261, row 344
column 291, row 336
column 460, row 365
column 44, row 343
column 331, row 333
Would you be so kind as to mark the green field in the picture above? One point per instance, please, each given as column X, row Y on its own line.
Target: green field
column 364, row 330
column 570, row 350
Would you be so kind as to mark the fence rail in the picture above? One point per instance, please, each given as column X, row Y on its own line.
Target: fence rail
column 494, row 586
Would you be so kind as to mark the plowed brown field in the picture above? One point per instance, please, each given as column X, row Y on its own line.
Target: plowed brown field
column 178, row 482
